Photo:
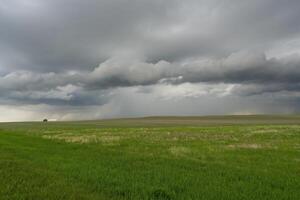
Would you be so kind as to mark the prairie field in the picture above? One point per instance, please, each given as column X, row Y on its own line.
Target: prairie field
column 216, row 157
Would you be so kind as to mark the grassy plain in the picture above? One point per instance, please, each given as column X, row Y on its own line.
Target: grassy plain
column 217, row 157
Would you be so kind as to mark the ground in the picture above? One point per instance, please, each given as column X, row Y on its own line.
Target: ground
column 224, row 157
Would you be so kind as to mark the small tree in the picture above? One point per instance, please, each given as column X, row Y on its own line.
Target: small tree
column 45, row 120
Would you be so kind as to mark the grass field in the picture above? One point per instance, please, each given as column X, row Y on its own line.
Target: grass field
column 222, row 157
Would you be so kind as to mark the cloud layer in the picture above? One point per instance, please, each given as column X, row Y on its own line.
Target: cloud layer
column 71, row 55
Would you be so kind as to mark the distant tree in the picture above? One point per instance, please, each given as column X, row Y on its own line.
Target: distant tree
column 45, row 120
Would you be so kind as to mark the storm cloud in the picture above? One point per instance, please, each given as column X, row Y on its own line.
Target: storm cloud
column 72, row 55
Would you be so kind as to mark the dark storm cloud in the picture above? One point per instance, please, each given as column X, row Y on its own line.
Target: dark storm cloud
column 73, row 34
column 252, row 72
column 239, row 68
column 244, row 68
column 51, row 35
column 50, row 50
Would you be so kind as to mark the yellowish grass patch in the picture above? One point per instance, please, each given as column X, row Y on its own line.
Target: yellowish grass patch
column 83, row 139
column 266, row 131
column 179, row 151
column 251, row 146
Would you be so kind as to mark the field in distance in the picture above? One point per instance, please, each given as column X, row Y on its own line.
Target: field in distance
column 213, row 157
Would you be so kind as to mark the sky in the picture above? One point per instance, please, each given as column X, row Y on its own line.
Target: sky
column 94, row 59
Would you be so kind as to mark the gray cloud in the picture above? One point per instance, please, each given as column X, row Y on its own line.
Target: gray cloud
column 252, row 72
column 50, row 50
column 73, row 34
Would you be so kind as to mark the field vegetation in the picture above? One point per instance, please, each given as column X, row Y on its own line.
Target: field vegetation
column 217, row 157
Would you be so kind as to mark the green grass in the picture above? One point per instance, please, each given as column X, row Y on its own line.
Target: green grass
column 225, row 157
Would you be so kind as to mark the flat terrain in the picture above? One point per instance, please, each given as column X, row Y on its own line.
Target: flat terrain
column 217, row 157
